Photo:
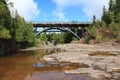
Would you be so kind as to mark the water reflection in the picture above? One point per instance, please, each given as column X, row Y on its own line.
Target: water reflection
column 57, row 66
column 19, row 66
column 57, row 76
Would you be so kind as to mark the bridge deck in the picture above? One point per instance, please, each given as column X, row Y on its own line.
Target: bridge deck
column 69, row 24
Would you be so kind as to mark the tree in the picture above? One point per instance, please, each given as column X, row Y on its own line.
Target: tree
column 55, row 37
column 107, row 16
column 24, row 31
column 118, row 18
column 4, row 33
column 19, row 25
column 28, row 34
column 111, row 5
column 5, row 17
column 4, row 2
column 117, row 7
column 62, row 37
column 94, row 19
column 5, row 21
column 116, row 10
column 43, row 37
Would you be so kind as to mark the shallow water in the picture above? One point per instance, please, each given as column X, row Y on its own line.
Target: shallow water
column 57, row 76
column 20, row 66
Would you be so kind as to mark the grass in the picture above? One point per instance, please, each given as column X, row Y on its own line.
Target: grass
column 102, row 53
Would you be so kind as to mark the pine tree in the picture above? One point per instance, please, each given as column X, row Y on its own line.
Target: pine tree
column 117, row 7
column 111, row 5
column 5, row 20
column 4, row 2
column 106, row 16
column 94, row 19
column 117, row 10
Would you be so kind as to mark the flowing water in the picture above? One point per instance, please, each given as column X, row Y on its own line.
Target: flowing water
column 24, row 66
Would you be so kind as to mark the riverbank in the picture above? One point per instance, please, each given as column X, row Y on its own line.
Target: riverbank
column 103, row 59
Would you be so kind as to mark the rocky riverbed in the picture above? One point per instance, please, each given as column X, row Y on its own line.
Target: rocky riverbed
column 103, row 59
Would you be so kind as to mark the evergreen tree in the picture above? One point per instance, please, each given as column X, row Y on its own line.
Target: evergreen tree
column 117, row 7
column 111, row 5
column 5, row 17
column 24, row 31
column 5, row 20
column 108, row 16
column 117, row 10
column 94, row 19
column 4, row 2
column 105, row 16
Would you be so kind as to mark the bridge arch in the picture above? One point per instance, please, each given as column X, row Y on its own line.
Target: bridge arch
column 62, row 26
column 61, row 29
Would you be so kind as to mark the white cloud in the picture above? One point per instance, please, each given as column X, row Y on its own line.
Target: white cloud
column 89, row 7
column 26, row 8
column 59, row 14
column 94, row 7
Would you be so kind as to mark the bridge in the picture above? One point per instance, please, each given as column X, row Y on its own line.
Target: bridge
column 61, row 26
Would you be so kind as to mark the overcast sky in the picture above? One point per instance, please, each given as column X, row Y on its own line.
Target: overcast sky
column 60, row 10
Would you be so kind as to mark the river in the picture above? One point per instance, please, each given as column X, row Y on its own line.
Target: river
column 20, row 66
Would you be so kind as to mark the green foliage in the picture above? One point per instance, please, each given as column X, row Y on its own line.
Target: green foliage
column 114, row 7
column 4, row 2
column 87, row 38
column 118, row 18
column 62, row 38
column 111, row 5
column 74, row 39
column 68, row 37
column 19, row 35
column 117, row 7
column 23, row 31
column 4, row 33
column 94, row 19
column 103, row 24
column 5, row 21
column 94, row 32
column 14, row 29
column 28, row 35
column 115, row 29
column 5, row 17
column 108, row 16
column 55, row 37
column 43, row 37
column 110, row 23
